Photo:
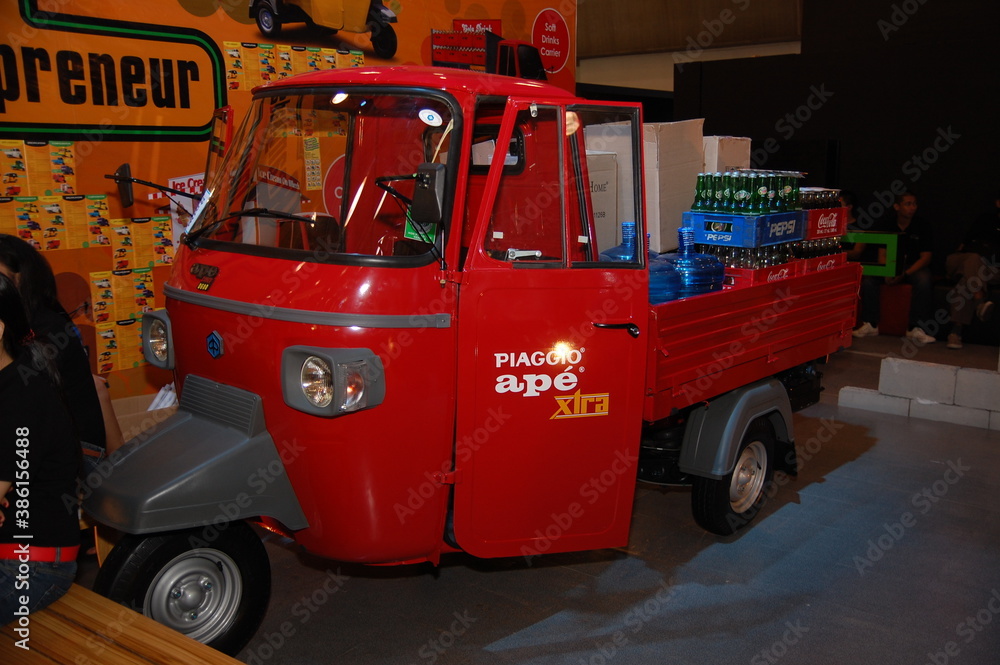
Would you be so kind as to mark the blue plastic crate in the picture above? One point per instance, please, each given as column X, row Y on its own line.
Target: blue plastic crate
column 712, row 228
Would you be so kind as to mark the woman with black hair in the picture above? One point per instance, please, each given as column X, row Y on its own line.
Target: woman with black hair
column 36, row 284
column 39, row 461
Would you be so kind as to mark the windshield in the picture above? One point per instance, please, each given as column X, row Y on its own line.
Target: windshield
column 328, row 176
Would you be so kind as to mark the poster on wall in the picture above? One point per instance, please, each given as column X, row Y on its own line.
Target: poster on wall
column 88, row 85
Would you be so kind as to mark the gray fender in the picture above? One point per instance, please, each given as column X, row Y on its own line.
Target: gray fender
column 714, row 431
column 212, row 462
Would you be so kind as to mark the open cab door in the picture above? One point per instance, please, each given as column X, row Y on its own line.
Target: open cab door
column 552, row 338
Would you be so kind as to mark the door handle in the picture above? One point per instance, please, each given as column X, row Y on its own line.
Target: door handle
column 630, row 327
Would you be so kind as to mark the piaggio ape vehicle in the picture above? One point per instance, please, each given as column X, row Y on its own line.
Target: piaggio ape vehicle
column 350, row 15
column 394, row 337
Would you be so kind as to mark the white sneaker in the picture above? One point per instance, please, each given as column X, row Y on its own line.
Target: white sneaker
column 865, row 330
column 918, row 335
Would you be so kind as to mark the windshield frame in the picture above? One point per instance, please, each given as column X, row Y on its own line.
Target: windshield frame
column 253, row 117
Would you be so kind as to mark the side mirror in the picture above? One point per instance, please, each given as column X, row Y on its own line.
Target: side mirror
column 428, row 194
column 123, row 178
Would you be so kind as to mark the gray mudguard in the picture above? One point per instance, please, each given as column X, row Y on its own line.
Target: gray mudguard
column 714, row 431
column 210, row 463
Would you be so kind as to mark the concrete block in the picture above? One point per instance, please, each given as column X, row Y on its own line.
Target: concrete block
column 949, row 413
column 918, row 380
column 978, row 388
column 872, row 400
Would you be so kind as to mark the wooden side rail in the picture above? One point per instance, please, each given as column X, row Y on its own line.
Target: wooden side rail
column 84, row 628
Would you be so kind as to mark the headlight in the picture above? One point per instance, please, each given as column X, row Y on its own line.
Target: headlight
column 331, row 382
column 157, row 339
column 158, row 344
column 317, row 381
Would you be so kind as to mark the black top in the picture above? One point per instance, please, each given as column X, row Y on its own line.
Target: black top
column 78, row 386
column 983, row 237
column 918, row 237
column 34, row 420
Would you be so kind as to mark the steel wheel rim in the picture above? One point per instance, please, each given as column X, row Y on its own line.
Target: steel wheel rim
column 748, row 477
column 266, row 20
column 196, row 593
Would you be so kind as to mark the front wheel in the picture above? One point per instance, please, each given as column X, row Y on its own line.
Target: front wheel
column 726, row 505
column 212, row 586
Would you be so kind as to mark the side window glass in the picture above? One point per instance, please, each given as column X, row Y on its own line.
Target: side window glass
column 526, row 223
column 610, row 190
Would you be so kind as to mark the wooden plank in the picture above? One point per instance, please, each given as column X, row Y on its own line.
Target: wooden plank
column 14, row 655
column 84, row 628
column 65, row 642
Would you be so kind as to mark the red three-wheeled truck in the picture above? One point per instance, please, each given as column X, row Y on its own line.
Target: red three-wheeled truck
column 394, row 336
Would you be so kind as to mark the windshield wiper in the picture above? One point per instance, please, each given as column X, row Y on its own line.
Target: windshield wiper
column 190, row 238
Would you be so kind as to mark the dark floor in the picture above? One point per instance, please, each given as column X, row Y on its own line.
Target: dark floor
column 885, row 549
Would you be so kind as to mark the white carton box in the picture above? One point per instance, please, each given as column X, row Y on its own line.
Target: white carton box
column 673, row 157
column 602, row 167
column 726, row 153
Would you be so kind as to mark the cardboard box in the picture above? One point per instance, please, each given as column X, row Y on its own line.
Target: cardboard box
column 725, row 153
column 602, row 168
column 133, row 416
column 673, row 157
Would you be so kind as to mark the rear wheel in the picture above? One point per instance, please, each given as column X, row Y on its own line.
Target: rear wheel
column 726, row 505
column 384, row 41
column 267, row 22
column 214, row 592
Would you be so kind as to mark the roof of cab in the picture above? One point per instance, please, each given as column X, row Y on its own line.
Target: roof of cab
column 440, row 78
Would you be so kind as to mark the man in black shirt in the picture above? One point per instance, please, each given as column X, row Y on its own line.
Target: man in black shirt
column 975, row 266
column 913, row 255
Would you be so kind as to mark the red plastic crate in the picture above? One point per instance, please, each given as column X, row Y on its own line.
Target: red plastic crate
column 739, row 277
column 825, row 223
column 821, row 263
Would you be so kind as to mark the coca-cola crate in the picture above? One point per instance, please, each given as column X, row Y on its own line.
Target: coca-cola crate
column 825, row 223
column 739, row 277
column 821, row 263
column 712, row 228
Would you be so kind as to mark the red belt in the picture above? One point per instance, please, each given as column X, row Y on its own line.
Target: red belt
column 29, row 552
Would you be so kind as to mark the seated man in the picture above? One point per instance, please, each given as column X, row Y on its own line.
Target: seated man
column 974, row 264
column 914, row 256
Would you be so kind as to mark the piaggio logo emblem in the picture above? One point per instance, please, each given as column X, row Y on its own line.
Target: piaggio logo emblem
column 214, row 344
column 206, row 275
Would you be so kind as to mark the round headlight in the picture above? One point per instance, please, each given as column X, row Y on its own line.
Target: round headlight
column 158, row 340
column 317, row 381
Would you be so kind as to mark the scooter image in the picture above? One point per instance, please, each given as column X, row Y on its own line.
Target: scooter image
column 350, row 15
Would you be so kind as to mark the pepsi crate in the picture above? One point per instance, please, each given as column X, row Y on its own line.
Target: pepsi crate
column 739, row 277
column 712, row 228
column 825, row 223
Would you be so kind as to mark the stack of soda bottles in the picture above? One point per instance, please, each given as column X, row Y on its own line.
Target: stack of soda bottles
column 826, row 223
column 764, row 221
column 747, row 192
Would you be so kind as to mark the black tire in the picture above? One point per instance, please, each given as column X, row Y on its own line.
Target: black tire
column 267, row 22
column 384, row 41
column 726, row 505
column 212, row 589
